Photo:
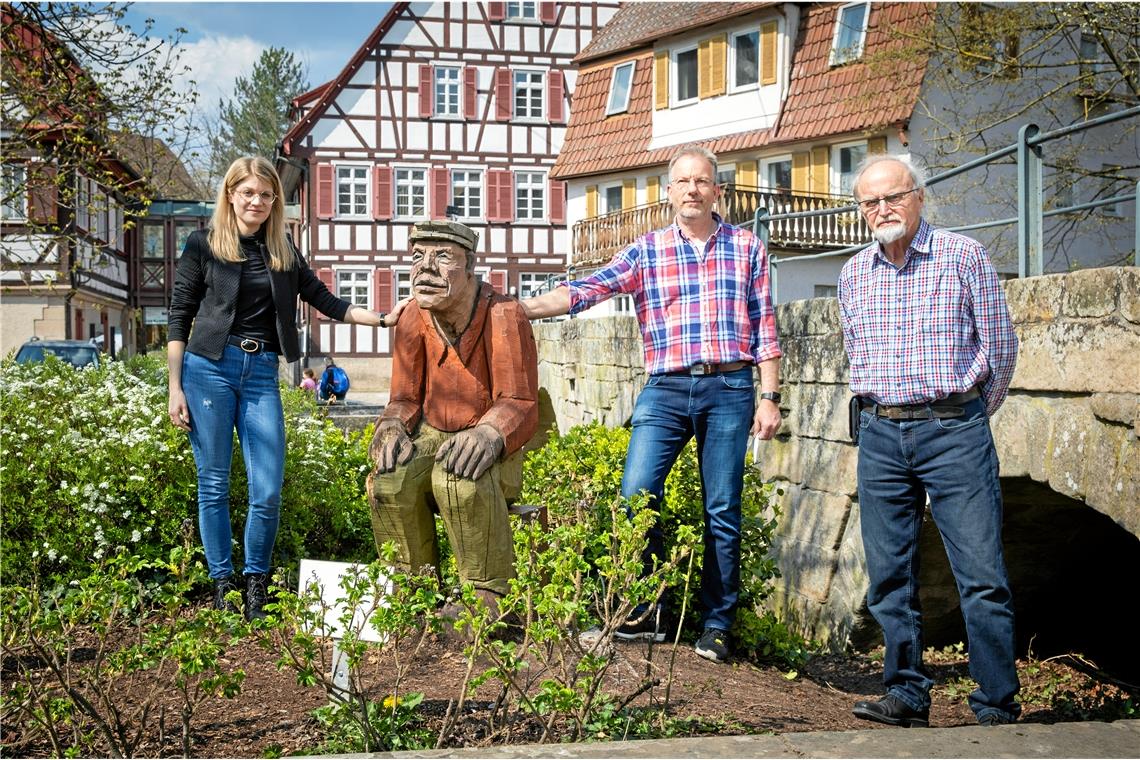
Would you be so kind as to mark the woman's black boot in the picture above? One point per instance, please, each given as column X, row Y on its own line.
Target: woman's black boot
column 255, row 596
column 223, row 586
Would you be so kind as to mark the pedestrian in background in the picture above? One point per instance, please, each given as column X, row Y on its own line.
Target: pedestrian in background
column 237, row 285
column 334, row 383
column 309, row 383
column 932, row 352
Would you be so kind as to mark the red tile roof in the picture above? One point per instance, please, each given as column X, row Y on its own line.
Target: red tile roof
column 823, row 101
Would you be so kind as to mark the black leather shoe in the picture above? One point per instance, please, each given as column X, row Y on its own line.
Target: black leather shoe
column 223, row 586
column 256, row 596
column 892, row 711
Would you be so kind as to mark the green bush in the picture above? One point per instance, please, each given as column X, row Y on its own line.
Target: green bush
column 579, row 474
column 90, row 462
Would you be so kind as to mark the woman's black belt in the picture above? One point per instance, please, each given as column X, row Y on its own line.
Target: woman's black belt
column 253, row 346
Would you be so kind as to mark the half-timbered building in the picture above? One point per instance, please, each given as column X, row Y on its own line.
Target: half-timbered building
column 446, row 109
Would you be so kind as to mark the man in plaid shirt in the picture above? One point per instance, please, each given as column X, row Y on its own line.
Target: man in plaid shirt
column 932, row 352
column 701, row 291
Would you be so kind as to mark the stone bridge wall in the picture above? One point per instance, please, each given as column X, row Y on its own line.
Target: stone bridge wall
column 1071, row 421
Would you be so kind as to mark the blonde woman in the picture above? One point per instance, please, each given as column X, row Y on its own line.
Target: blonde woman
column 237, row 285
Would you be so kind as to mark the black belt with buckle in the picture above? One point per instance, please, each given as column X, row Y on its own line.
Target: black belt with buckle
column 943, row 408
column 251, row 346
column 705, row 368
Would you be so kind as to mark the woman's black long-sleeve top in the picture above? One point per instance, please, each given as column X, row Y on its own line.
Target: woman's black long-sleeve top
column 206, row 292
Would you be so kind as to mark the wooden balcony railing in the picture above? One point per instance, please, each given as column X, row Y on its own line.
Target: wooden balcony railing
column 597, row 239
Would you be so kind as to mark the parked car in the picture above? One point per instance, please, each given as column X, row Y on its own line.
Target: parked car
column 80, row 353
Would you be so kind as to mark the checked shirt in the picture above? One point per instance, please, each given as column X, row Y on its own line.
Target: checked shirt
column 711, row 305
column 935, row 326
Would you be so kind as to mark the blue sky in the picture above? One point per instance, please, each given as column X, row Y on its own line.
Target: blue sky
column 223, row 40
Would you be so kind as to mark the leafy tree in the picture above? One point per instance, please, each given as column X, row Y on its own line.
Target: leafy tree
column 85, row 93
column 256, row 118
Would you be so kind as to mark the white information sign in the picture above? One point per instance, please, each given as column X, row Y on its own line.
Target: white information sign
column 327, row 576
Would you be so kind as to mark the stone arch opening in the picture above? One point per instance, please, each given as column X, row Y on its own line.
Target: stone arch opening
column 1073, row 573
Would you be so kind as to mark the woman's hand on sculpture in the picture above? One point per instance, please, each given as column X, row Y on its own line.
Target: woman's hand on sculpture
column 471, row 452
column 391, row 445
column 392, row 317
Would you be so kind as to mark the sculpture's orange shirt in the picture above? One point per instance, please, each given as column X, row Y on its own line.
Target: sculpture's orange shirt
column 490, row 376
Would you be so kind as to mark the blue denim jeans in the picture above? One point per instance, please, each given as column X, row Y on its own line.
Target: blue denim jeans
column 238, row 391
column 954, row 461
column 717, row 410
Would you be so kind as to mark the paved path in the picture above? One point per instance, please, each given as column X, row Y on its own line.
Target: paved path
column 1029, row 740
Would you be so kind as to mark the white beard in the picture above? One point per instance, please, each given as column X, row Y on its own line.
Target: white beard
column 889, row 233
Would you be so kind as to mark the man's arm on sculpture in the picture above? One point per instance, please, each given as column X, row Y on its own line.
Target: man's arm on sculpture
column 552, row 304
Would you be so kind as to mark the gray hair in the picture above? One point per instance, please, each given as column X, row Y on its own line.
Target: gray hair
column 916, row 171
column 692, row 149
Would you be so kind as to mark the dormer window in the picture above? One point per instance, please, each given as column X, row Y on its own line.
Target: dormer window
column 522, row 10
column 687, row 81
column 745, row 59
column 620, row 85
column 850, row 31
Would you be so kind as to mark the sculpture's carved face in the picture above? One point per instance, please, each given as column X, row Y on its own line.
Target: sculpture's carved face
column 440, row 275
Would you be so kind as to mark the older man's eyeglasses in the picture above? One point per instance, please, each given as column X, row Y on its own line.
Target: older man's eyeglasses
column 701, row 183
column 893, row 201
column 248, row 195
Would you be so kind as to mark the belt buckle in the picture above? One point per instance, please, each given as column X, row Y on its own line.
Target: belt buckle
column 702, row 368
column 249, row 345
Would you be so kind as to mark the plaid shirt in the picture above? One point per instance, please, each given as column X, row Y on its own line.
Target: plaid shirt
column 712, row 305
column 935, row 326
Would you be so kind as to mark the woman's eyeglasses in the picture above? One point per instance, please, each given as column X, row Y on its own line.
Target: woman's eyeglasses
column 248, row 195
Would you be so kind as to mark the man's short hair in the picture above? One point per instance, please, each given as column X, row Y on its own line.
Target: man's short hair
column 916, row 171
column 693, row 150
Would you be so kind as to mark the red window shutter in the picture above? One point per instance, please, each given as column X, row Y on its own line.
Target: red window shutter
column 557, row 202
column 325, row 275
column 42, row 194
column 382, row 192
column 326, row 193
column 506, row 195
column 382, row 289
column 496, row 11
column 425, row 92
column 499, row 280
column 493, row 195
column 547, row 12
column 555, row 95
column 440, row 192
column 470, row 91
column 503, row 96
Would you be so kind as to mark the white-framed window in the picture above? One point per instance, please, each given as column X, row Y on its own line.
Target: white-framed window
column 850, row 31
column 446, row 90
column 726, row 174
column 83, row 204
column 355, row 286
column 352, row 191
column 411, row 192
column 467, row 192
column 847, row 160
column 530, row 195
column 14, row 186
column 778, row 174
column 611, row 198
column 402, row 283
column 745, row 65
column 623, row 304
column 526, row 11
column 685, row 75
column 662, row 188
column 620, row 84
column 531, row 283
column 824, row 291
column 530, row 92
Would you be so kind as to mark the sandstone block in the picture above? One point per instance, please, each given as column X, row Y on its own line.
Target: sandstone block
column 814, row 463
column 1034, row 299
column 1022, row 429
column 816, row 410
column 814, row 359
column 813, row 517
column 1130, row 294
column 1091, row 292
column 1117, row 407
column 1079, row 356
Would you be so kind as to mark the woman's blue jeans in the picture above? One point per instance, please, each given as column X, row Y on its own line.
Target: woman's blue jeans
column 237, row 392
column 955, row 462
column 717, row 410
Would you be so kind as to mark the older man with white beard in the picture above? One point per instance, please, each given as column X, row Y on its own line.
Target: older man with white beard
column 932, row 352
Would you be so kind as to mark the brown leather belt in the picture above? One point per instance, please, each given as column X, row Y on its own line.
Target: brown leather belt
column 704, row 368
column 943, row 408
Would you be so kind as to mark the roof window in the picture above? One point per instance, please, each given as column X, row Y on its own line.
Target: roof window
column 620, row 85
column 850, row 32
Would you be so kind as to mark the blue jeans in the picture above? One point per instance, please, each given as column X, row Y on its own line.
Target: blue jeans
column 238, row 391
column 954, row 461
column 718, row 410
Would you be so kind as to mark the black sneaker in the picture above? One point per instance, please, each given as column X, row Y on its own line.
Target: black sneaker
column 892, row 711
column 994, row 719
column 713, row 645
column 648, row 625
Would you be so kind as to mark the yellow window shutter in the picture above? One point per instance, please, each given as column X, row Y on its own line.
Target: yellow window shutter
column 660, row 80
column 718, row 56
column 704, row 68
column 801, row 168
column 876, row 145
column 820, row 161
column 652, row 189
column 628, row 193
column 746, row 174
column 768, row 52
column 591, row 201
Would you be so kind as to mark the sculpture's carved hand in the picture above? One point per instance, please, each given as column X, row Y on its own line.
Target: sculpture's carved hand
column 391, row 445
column 471, row 452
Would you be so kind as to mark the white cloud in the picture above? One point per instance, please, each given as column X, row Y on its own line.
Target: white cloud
column 215, row 63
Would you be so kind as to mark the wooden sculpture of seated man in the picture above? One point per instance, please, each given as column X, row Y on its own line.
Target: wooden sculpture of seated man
column 463, row 403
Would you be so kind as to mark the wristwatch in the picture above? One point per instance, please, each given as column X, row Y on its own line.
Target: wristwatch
column 772, row 396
